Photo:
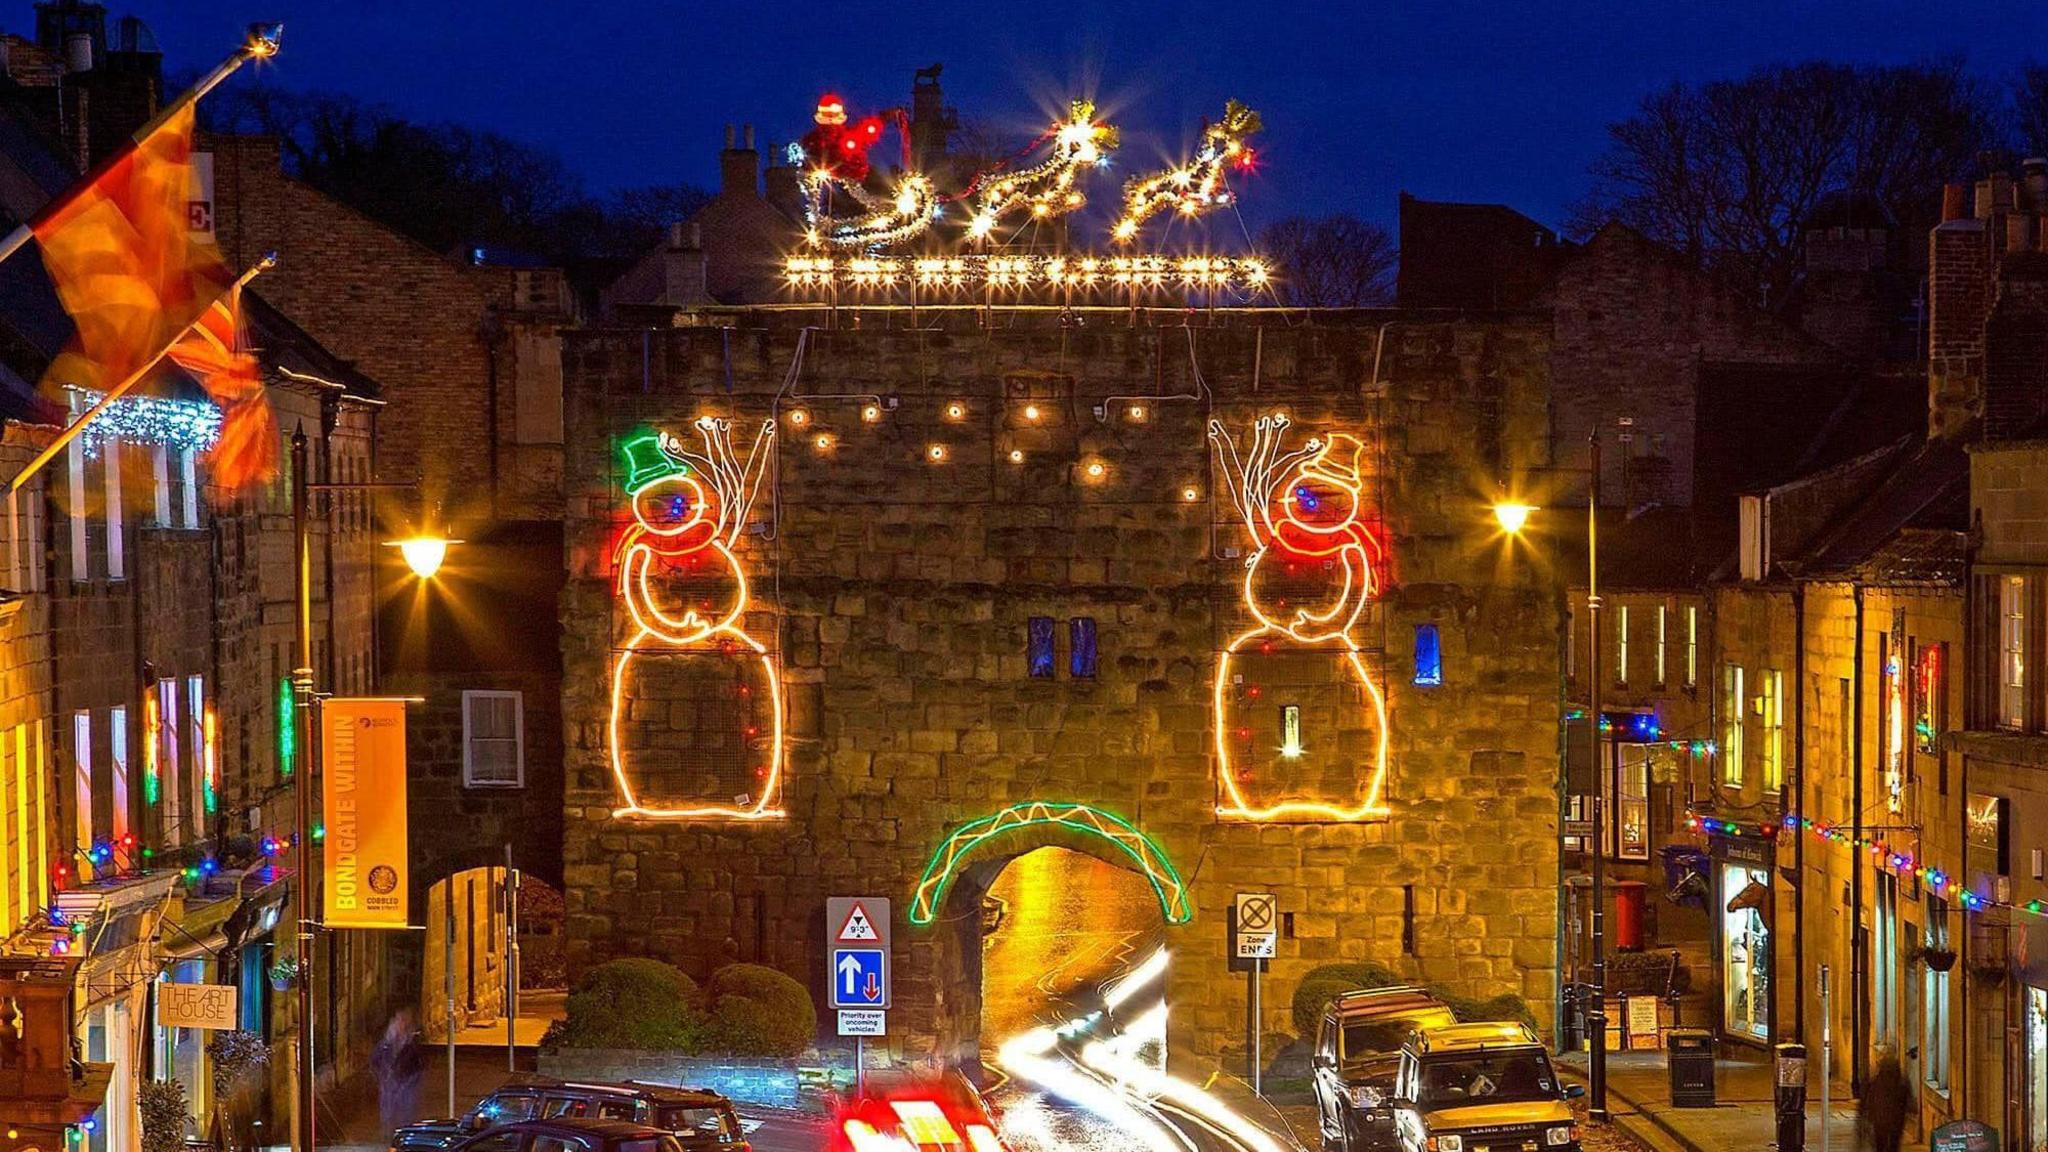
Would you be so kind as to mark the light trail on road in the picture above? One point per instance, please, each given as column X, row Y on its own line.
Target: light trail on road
column 1098, row 1067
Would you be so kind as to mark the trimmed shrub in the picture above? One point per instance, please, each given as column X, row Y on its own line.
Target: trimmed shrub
column 758, row 1011
column 636, row 1003
column 1325, row 982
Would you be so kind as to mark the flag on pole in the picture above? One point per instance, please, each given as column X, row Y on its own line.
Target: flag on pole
column 135, row 275
column 213, row 352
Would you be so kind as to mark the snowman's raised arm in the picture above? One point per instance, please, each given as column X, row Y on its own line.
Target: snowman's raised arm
column 1241, row 474
column 749, row 475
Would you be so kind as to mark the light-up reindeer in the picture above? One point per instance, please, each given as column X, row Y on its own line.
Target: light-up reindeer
column 1313, row 568
column 687, row 595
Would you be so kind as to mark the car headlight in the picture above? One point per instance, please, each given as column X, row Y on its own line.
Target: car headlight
column 1561, row 1135
column 1446, row 1144
column 1365, row 1096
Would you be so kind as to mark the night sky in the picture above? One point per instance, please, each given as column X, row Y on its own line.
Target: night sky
column 1449, row 100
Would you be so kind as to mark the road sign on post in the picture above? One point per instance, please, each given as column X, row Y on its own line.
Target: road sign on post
column 857, row 968
column 1258, row 931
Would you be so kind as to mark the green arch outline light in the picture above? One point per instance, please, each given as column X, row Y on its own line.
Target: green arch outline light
column 1151, row 859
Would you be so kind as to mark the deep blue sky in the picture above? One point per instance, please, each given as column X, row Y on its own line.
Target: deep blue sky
column 1447, row 99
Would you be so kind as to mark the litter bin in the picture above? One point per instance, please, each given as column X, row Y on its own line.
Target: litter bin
column 1689, row 1054
column 1790, row 1096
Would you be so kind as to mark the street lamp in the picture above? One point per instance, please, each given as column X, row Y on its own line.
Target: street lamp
column 423, row 554
column 1512, row 517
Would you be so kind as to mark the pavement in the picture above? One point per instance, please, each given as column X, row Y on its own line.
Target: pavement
column 1742, row 1118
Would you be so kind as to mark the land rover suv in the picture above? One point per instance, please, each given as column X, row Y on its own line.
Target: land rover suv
column 1358, row 1050
column 1481, row 1088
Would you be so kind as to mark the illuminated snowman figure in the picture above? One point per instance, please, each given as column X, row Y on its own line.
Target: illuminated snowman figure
column 686, row 594
column 1283, row 750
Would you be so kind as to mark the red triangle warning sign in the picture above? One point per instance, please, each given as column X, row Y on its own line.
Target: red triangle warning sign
column 858, row 929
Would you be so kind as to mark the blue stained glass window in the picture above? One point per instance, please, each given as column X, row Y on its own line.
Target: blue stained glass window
column 1429, row 656
column 1081, row 646
column 1038, row 651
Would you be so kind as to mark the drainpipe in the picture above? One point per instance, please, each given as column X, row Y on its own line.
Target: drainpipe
column 1859, row 944
column 1793, row 804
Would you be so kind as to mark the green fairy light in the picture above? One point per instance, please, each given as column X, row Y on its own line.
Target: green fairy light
column 1150, row 858
column 287, row 729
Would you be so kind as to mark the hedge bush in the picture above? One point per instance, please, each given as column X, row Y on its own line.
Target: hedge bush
column 758, row 1011
column 1326, row 982
column 636, row 1003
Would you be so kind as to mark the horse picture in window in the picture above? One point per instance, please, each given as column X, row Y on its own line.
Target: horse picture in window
column 696, row 700
column 1300, row 720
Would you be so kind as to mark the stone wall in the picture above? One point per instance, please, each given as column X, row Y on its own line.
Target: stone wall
column 894, row 585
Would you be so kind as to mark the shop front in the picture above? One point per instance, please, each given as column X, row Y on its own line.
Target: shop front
column 1743, row 900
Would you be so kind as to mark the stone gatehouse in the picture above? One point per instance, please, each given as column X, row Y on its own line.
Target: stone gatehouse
column 992, row 574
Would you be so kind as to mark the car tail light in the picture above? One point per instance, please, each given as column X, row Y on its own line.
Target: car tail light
column 918, row 1126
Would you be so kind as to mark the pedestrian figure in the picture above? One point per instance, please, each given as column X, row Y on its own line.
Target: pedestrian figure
column 398, row 1063
column 1882, row 1113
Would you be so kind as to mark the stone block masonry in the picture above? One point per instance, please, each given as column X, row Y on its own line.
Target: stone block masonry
column 897, row 561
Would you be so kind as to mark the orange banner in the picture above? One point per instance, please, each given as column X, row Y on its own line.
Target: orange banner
column 362, row 764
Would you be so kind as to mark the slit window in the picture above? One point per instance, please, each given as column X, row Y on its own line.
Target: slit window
column 1038, row 647
column 1081, row 653
column 1429, row 656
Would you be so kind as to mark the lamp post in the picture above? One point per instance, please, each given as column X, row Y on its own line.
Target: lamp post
column 423, row 554
column 1512, row 517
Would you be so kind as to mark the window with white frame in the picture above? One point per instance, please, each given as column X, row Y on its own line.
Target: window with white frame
column 1621, row 645
column 1692, row 645
column 493, row 740
column 163, row 718
column 110, row 461
column 75, row 511
column 187, row 487
column 160, row 474
column 200, row 754
column 81, row 778
column 2012, row 652
column 117, row 760
column 1771, row 690
column 1661, row 613
column 1733, row 702
column 1934, row 1039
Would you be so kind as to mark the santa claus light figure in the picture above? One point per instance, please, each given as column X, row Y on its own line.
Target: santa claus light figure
column 837, row 147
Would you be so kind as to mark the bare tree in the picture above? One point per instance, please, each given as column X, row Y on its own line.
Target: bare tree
column 1728, row 172
column 1331, row 261
column 2030, row 110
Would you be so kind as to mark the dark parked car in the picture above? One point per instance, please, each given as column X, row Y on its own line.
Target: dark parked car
column 570, row 1135
column 1358, row 1050
column 698, row 1119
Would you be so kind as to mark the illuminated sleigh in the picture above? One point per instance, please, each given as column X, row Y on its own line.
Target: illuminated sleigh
column 695, row 727
column 1300, row 720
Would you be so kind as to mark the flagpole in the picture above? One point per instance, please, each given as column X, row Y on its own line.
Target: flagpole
column 77, row 426
column 261, row 44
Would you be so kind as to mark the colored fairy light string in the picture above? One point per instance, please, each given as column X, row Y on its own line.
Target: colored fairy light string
column 691, row 506
column 1049, row 187
column 1265, row 484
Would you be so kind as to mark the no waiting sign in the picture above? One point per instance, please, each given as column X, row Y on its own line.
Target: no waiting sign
column 1257, row 934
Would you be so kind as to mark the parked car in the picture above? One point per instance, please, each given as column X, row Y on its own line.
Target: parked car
column 928, row 1113
column 697, row 1118
column 569, row 1135
column 1481, row 1088
column 1357, row 1052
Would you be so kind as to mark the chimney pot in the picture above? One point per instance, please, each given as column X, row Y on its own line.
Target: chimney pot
column 696, row 234
column 749, row 136
column 78, row 52
column 2034, row 176
column 728, row 136
column 1955, row 200
column 2018, row 233
column 1982, row 206
column 675, row 234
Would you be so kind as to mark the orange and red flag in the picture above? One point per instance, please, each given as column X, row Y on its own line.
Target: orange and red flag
column 213, row 352
column 134, row 276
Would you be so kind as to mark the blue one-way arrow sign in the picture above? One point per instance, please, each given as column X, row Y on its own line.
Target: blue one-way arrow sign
column 860, row 978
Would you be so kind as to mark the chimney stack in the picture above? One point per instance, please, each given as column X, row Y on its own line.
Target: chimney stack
column 739, row 169
column 2034, row 175
column 785, row 191
column 78, row 52
column 1955, row 202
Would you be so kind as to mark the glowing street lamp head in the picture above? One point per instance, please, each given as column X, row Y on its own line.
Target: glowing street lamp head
column 1512, row 517
column 265, row 38
column 424, row 553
